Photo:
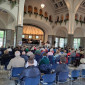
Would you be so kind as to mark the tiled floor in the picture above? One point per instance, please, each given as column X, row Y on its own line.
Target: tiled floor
column 4, row 80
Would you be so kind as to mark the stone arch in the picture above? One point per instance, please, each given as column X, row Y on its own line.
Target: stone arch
column 61, row 32
column 10, row 13
column 78, row 32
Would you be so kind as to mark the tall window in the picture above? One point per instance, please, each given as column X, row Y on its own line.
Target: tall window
column 76, row 43
column 61, row 44
column 1, row 38
column 56, row 42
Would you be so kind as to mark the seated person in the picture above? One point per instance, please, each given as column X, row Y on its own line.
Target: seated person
column 82, row 65
column 44, row 65
column 61, row 67
column 30, row 72
column 35, row 62
column 44, row 60
column 24, row 56
column 18, row 61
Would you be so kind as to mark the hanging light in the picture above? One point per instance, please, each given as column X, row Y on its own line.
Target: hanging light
column 42, row 5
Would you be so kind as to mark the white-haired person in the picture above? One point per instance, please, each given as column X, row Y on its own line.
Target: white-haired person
column 17, row 61
column 82, row 65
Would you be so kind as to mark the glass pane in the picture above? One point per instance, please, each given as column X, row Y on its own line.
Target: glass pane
column 78, row 40
column 30, row 36
column 56, row 39
column 56, row 42
column 23, row 36
column 61, row 42
column 1, row 42
column 37, row 37
column 1, row 34
column 75, row 40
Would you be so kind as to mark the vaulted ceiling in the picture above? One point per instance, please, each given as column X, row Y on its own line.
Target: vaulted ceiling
column 60, row 6
column 82, row 7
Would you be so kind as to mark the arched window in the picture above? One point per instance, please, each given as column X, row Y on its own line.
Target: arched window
column 62, row 17
column 35, row 10
column 24, row 9
column 46, row 15
column 41, row 12
column 67, row 16
column 30, row 10
column 50, row 18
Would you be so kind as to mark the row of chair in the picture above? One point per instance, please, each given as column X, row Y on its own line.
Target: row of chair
column 49, row 79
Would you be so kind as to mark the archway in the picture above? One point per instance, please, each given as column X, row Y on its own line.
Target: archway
column 32, row 34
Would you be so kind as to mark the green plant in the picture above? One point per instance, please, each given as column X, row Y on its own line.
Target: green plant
column 41, row 15
column 60, row 22
column 76, row 21
column 65, row 21
column 46, row 18
column 35, row 14
column 29, row 12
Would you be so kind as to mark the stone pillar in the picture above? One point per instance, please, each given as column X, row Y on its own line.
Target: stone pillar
column 82, row 41
column 51, row 39
column 9, row 37
column 70, row 40
column 12, row 38
column 19, row 30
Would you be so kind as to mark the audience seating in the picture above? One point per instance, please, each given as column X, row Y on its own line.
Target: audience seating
column 82, row 74
column 75, row 74
column 48, row 79
column 16, row 71
column 63, row 78
column 32, row 81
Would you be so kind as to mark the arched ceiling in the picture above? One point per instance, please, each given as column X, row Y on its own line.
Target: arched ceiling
column 5, row 17
column 82, row 7
column 60, row 6
column 57, row 6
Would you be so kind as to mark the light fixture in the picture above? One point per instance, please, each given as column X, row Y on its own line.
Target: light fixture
column 42, row 5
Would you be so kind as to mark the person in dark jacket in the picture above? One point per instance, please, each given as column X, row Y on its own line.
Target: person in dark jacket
column 62, row 67
column 24, row 56
column 30, row 72
column 5, row 58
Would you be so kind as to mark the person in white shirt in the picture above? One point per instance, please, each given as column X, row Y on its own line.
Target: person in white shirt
column 35, row 62
column 18, row 61
column 82, row 65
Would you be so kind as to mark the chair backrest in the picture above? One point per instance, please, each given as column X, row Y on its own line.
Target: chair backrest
column 83, row 72
column 75, row 73
column 63, row 76
column 32, row 81
column 49, row 78
column 16, row 71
